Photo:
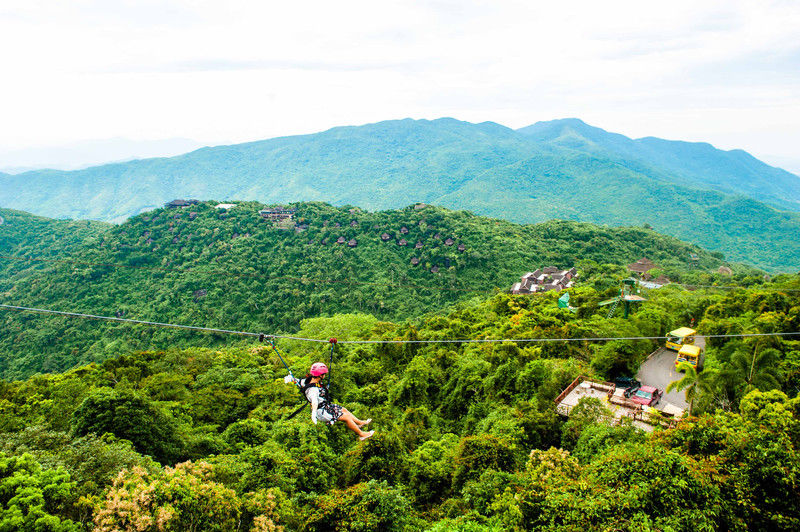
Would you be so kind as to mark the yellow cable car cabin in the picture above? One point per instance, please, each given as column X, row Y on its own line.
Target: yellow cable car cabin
column 691, row 354
column 680, row 337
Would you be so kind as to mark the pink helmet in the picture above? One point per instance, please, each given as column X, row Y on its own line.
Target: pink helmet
column 318, row 369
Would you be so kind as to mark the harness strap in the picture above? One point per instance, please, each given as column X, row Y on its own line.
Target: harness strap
column 290, row 416
column 333, row 342
column 325, row 395
column 261, row 338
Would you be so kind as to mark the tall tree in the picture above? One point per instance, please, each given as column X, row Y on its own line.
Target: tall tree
column 749, row 368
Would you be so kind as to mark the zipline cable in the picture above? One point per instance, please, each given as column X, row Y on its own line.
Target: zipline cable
column 533, row 340
column 150, row 323
column 354, row 342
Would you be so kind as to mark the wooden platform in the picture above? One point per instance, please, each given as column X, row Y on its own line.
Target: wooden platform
column 615, row 400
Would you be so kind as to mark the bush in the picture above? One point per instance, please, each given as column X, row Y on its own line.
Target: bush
column 129, row 416
column 32, row 498
column 380, row 457
column 430, row 469
column 371, row 506
column 181, row 498
column 476, row 454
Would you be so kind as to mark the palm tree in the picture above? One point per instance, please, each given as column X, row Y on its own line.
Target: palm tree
column 749, row 370
column 692, row 381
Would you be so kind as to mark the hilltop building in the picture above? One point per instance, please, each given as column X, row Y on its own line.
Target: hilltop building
column 181, row 203
column 642, row 266
column 544, row 279
column 277, row 213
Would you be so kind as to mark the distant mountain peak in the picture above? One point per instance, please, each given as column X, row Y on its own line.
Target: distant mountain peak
column 563, row 121
column 571, row 133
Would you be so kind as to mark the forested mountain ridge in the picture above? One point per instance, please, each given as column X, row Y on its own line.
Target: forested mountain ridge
column 559, row 169
column 691, row 164
column 21, row 230
column 233, row 269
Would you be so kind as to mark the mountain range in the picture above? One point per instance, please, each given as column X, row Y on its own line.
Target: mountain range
column 726, row 201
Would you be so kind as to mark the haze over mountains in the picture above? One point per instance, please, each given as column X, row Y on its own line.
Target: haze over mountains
column 83, row 154
column 723, row 200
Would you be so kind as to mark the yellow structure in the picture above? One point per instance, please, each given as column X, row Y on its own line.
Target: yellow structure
column 691, row 354
column 680, row 337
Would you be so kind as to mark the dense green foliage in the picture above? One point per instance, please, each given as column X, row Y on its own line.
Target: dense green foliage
column 235, row 270
column 32, row 498
column 34, row 236
column 724, row 201
column 468, row 437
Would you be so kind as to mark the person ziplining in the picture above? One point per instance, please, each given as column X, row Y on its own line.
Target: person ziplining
column 319, row 395
column 322, row 407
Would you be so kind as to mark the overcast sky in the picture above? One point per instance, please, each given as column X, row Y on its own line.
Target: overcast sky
column 217, row 72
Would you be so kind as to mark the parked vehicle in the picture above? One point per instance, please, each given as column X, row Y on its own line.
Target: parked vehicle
column 647, row 396
column 632, row 390
column 680, row 337
column 691, row 354
column 626, row 382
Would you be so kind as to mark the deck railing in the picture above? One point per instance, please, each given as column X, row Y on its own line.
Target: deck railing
column 569, row 388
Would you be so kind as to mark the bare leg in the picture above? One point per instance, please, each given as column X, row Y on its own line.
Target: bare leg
column 359, row 422
column 352, row 424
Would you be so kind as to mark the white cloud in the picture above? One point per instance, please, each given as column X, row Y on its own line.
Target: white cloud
column 724, row 72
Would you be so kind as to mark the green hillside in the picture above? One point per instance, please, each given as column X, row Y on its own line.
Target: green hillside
column 234, row 270
column 37, row 234
column 560, row 169
column 468, row 438
column 747, row 230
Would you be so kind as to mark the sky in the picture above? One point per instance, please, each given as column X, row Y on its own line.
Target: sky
column 222, row 72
